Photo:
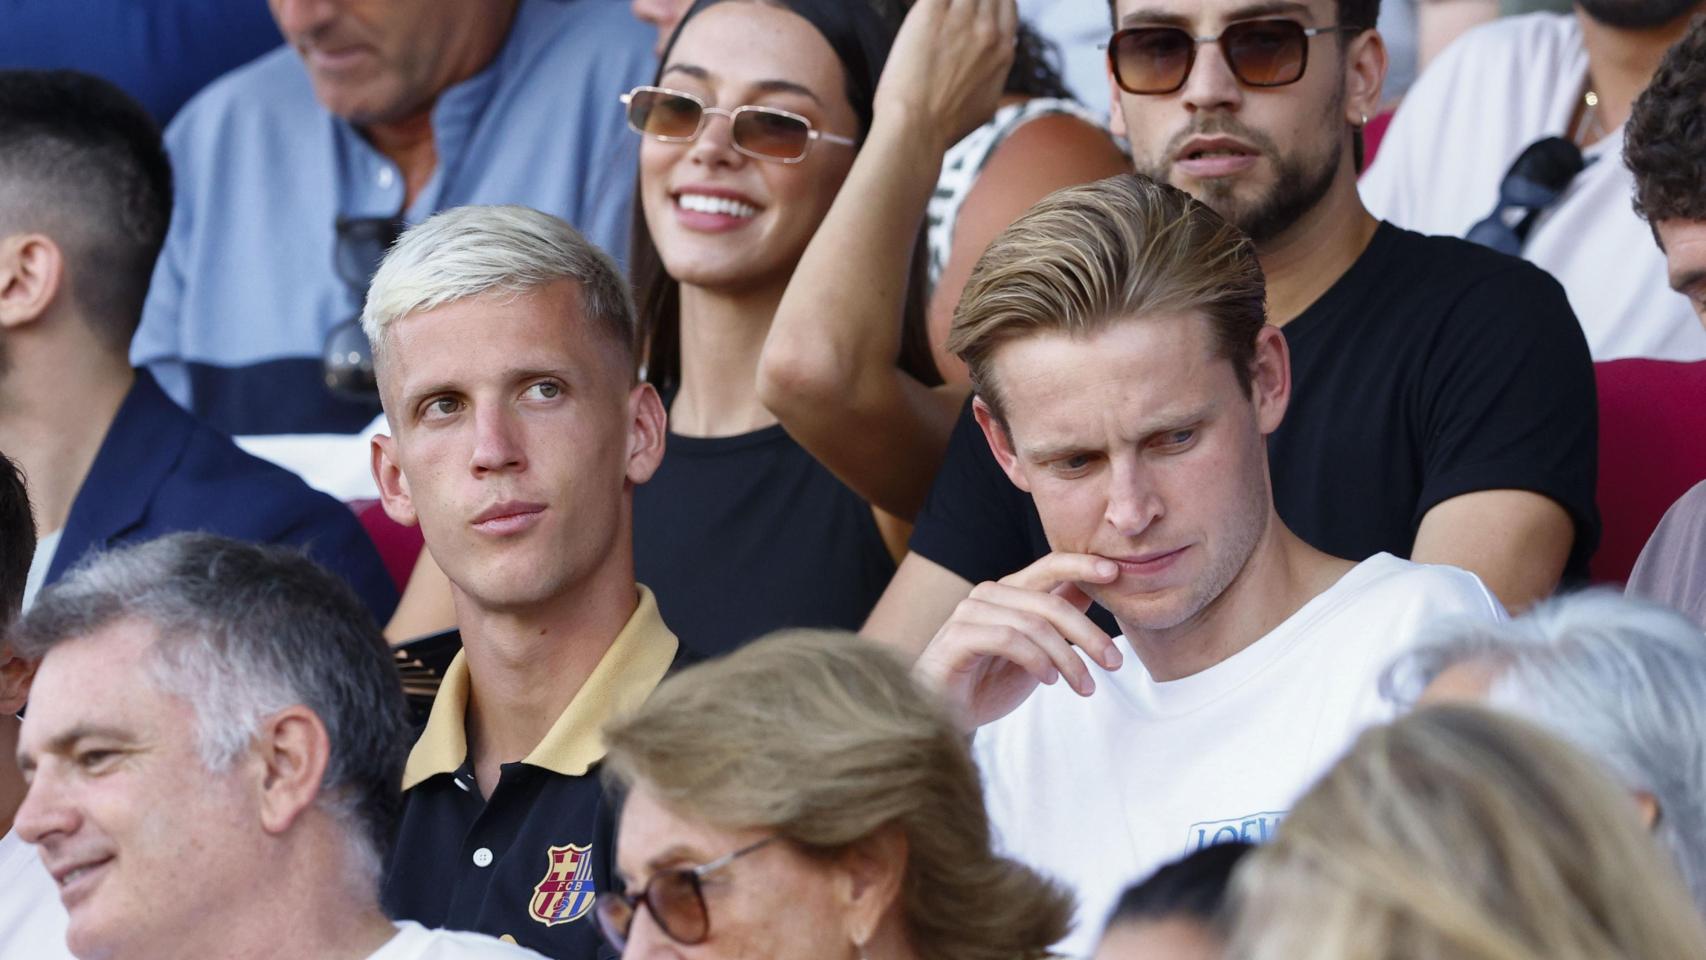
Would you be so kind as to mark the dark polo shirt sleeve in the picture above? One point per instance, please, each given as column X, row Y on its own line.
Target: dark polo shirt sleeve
column 526, row 864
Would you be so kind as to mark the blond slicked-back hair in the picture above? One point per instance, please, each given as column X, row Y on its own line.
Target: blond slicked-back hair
column 1461, row 834
column 1107, row 252
column 824, row 739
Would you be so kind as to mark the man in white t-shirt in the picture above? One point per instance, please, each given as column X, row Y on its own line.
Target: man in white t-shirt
column 1502, row 88
column 214, row 750
column 32, row 924
column 1126, row 378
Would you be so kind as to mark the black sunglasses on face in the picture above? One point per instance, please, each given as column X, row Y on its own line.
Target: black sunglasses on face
column 675, row 899
column 1261, row 53
column 764, row 133
column 347, row 357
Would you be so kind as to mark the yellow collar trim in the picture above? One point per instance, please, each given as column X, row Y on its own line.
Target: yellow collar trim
column 623, row 679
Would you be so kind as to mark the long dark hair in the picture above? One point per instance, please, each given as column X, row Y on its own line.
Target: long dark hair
column 860, row 32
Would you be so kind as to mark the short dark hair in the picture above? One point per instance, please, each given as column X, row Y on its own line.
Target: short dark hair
column 1665, row 140
column 17, row 541
column 1352, row 13
column 244, row 631
column 1192, row 887
column 84, row 163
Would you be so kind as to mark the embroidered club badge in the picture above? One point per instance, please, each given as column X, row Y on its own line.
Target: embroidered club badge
column 566, row 894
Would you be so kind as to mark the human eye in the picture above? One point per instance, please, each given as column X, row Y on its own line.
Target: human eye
column 439, row 408
column 1071, row 465
column 543, row 390
column 94, row 760
column 1175, row 440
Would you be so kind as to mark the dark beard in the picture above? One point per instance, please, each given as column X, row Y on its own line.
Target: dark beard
column 1300, row 183
column 1637, row 14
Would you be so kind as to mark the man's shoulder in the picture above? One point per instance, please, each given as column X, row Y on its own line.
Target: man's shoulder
column 414, row 942
column 1476, row 292
column 1385, row 592
column 271, row 89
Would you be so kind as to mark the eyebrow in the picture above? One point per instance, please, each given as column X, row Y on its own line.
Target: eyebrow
column 1156, row 15
column 760, row 86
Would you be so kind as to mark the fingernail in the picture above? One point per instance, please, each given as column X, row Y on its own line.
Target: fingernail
column 1114, row 659
column 1089, row 687
column 1106, row 568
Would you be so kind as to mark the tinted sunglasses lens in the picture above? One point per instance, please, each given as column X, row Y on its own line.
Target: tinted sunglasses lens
column 664, row 114
column 769, row 134
column 677, row 906
column 1151, row 59
column 1266, row 53
column 615, row 915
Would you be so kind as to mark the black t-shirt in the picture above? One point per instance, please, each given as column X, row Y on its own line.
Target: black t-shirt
column 1433, row 368
column 742, row 535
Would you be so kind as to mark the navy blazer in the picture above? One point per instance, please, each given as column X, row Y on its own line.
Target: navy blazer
column 160, row 471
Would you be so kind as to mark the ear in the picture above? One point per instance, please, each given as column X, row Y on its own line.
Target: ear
column 872, row 873
column 15, row 676
column 1270, row 378
column 1116, row 111
column 32, row 268
column 1000, row 443
column 393, row 485
column 293, row 750
column 647, row 426
column 1648, row 806
column 1365, row 75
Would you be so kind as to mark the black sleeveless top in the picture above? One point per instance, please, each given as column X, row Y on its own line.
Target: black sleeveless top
column 738, row 536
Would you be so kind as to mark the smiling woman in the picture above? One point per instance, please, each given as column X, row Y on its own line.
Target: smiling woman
column 750, row 128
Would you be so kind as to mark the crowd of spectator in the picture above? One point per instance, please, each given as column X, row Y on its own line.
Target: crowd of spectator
column 853, row 479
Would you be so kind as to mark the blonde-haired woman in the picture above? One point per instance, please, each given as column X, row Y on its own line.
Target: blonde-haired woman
column 801, row 799
column 1459, row 833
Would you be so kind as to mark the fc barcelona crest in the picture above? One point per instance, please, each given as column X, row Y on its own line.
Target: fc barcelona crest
column 566, row 893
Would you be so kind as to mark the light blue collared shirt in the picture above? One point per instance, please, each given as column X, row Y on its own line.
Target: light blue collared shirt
column 246, row 288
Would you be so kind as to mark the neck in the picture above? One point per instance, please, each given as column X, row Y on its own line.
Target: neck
column 1312, row 254
column 525, row 666
column 310, row 905
column 407, row 140
column 722, row 338
column 1281, row 575
column 56, row 402
column 11, row 781
column 1621, row 62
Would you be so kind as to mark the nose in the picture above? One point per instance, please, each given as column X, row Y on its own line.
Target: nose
column 46, row 812
column 1212, row 85
column 645, row 938
column 1134, row 501
column 498, row 442
column 715, row 145
column 298, row 18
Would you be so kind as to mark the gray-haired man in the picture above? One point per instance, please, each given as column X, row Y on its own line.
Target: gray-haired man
column 213, row 745
column 1622, row 679
column 504, row 347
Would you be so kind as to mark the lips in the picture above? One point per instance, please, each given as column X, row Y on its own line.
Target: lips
column 508, row 517
column 1147, row 564
column 76, row 880
column 1211, row 157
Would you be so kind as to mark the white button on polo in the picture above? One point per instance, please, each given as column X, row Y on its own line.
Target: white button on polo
column 482, row 857
column 385, row 178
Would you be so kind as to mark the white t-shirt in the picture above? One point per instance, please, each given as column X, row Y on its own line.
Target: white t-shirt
column 32, row 922
column 1498, row 89
column 415, row 942
column 1098, row 791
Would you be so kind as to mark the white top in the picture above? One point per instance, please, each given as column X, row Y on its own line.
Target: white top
column 1099, row 791
column 415, row 942
column 32, row 922
column 1498, row 89
column 47, row 545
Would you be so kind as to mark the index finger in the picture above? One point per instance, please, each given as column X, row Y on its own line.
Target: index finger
column 1058, row 569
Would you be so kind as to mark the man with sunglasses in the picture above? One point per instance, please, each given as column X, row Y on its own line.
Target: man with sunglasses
column 85, row 195
column 1443, row 408
column 296, row 168
column 1463, row 157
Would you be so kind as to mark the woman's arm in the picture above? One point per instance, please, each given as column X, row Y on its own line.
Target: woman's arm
column 829, row 370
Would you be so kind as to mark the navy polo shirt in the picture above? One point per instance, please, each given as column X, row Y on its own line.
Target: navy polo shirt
column 524, row 865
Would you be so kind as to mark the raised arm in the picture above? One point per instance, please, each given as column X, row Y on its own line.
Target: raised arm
column 829, row 370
